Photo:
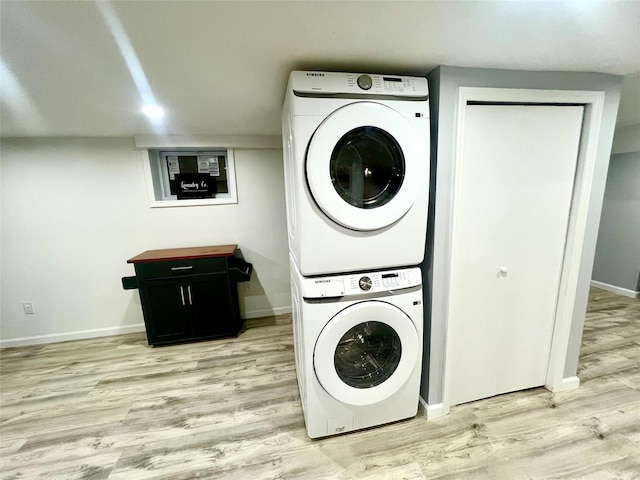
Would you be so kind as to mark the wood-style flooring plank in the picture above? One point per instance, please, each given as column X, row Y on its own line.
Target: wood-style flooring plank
column 230, row 409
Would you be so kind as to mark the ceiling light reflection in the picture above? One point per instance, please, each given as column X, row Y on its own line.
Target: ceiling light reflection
column 133, row 63
column 18, row 102
column 153, row 111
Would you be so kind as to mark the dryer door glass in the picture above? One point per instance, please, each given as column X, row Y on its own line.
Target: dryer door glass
column 367, row 354
column 367, row 167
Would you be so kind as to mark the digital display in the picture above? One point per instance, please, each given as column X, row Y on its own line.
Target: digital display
column 389, row 275
column 391, row 79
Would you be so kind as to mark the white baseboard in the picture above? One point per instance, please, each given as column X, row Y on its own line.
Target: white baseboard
column 109, row 331
column 267, row 312
column 569, row 383
column 77, row 335
column 435, row 411
column 422, row 406
column 613, row 289
column 430, row 411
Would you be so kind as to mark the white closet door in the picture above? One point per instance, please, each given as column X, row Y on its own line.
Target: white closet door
column 513, row 195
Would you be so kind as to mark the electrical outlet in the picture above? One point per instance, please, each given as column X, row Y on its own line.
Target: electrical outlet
column 28, row 308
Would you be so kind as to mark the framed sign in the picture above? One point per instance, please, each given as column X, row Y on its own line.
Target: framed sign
column 195, row 185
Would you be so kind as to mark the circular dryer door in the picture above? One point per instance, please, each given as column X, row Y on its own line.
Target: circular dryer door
column 364, row 166
column 366, row 353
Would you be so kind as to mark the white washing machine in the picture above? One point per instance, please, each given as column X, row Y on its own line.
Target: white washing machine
column 358, row 348
column 356, row 158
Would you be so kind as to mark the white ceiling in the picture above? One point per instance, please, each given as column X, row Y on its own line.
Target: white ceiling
column 85, row 68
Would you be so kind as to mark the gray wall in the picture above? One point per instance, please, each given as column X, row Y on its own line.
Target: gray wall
column 444, row 83
column 617, row 260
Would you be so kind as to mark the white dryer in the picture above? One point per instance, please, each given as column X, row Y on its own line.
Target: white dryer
column 356, row 162
column 358, row 348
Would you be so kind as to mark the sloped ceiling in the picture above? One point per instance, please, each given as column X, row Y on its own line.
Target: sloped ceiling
column 86, row 68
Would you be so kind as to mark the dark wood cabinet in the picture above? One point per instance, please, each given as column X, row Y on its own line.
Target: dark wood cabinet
column 166, row 317
column 190, row 294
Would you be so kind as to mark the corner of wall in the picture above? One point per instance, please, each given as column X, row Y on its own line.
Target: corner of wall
column 626, row 139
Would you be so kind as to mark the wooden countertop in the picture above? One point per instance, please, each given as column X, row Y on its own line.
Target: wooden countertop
column 184, row 253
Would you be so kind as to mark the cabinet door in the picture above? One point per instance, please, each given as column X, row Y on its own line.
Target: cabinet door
column 166, row 310
column 213, row 309
column 513, row 195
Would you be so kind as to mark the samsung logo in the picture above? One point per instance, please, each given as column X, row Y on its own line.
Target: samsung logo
column 323, row 281
column 315, row 74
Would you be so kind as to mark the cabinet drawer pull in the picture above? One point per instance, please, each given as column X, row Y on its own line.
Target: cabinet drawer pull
column 189, row 292
column 182, row 296
column 182, row 269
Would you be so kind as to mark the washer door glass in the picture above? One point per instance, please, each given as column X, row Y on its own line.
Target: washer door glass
column 367, row 167
column 366, row 353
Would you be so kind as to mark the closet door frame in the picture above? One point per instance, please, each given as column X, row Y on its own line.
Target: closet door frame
column 593, row 101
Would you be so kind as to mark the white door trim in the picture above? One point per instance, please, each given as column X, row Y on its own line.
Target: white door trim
column 594, row 103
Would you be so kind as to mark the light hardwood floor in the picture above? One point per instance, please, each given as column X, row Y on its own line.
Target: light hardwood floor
column 116, row 408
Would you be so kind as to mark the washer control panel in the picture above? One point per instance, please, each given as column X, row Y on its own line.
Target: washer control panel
column 361, row 283
column 345, row 84
column 381, row 281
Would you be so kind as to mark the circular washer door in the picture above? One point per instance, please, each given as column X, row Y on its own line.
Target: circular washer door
column 366, row 353
column 363, row 166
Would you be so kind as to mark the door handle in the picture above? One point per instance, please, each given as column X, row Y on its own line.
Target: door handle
column 182, row 295
column 189, row 292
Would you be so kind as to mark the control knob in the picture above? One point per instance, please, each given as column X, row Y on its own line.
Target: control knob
column 365, row 283
column 365, row 82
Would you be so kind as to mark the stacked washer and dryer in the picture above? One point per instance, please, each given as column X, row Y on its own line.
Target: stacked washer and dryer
column 356, row 158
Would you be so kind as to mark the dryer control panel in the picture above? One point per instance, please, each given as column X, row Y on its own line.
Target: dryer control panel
column 336, row 84
column 361, row 283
